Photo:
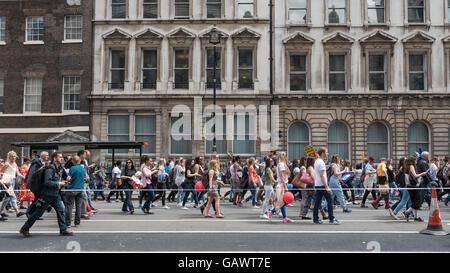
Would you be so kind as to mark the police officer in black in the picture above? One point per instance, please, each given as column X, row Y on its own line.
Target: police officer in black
column 51, row 197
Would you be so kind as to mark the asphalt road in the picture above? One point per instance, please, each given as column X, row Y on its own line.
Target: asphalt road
column 176, row 230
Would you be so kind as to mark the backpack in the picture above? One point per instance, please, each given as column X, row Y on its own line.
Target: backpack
column 37, row 180
column 440, row 174
column 205, row 179
column 329, row 173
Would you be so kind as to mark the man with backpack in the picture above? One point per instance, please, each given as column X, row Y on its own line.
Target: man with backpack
column 444, row 176
column 50, row 186
column 36, row 164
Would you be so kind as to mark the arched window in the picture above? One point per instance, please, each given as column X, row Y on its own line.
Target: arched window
column 418, row 137
column 298, row 139
column 338, row 140
column 378, row 140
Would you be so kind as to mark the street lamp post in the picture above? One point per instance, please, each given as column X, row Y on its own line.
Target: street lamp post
column 214, row 39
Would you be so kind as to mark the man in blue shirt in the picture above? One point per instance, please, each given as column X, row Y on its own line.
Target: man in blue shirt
column 74, row 191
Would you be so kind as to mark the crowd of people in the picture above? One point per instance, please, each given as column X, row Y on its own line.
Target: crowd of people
column 69, row 180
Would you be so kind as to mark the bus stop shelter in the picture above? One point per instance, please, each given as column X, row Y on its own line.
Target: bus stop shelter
column 59, row 146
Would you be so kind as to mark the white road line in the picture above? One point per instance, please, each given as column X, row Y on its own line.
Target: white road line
column 230, row 220
column 222, row 232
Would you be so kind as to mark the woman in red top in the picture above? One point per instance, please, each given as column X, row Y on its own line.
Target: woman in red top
column 25, row 194
column 253, row 180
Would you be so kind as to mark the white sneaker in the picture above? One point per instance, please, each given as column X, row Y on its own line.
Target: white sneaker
column 185, row 208
column 264, row 216
column 165, row 207
column 255, row 207
column 290, row 205
column 179, row 204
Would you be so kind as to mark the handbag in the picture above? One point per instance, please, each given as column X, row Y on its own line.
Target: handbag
column 307, row 179
column 296, row 181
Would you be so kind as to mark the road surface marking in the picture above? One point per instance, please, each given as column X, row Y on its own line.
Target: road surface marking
column 221, row 232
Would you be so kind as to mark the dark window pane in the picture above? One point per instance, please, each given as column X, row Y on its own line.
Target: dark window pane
column 298, row 82
column 245, row 58
column 150, row 8
column 336, row 16
column 150, row 59
column 117, row 77
column 214, row 9
column 416, row 15
column 149, row 78
column 377, row 82
column 182, row 58
column 181, row 8
column 416, row 63
column 210, row 57
column 337, row 82
column 376, row 63
column 416, row 3
column 298, row 63
column 181, row 78
column 337, row 62
column 210, row 77
column 416, row 81
column 245, row 78
column 118, row 59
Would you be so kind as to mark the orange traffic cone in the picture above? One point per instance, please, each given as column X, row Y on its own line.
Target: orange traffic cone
column 434, row 221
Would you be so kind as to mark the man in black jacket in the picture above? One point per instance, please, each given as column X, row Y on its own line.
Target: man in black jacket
column 422, row 166
column 51, row 197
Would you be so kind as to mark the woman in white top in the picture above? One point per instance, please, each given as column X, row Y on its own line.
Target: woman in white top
column 9, row 172
column 283, row 174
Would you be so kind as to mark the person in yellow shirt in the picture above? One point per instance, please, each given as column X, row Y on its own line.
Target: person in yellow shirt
column 383, row 185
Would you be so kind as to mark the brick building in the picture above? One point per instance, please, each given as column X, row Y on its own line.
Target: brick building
column 45, row 70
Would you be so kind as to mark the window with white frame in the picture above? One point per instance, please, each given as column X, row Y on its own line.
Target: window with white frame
column 73, row 26
column 149, row 68
column 416, row 11
column 180, row 140
column 118, row 130
column 117, row 69
column 298, row 72
column 376, row 11
column 181, row 68
column 213, row 8
column 2, row 93
column 244, row 139
column 182, row 8
column 298, row 12
column 337, row 11
column 417, row 72
column 338, row 72
column 33, row 95
column 378, row 140
column 71, row 93
column 338, row 140
column 35, row 28
column 298, row 139
column 119, row 9
column 210, row 67
column 2, row 29
column 145, row 130
column 151, row 9
column 418, row 137
column 245, row 63
column 377, row 72
column 221, row 134
column 246, row 8
column 448, row 10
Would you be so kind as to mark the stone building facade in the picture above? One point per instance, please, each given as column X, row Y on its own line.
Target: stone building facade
column 45, row 70
column 357, row 76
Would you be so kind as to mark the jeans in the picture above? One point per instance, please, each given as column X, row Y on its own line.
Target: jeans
column 56, row 203
column 282, row 209
column 252, row 189
column 191, row 189
column 99, row 192
column 88, row 194
column 268, row 192
column 358, row 186
column 405, row 200
column 337, row 191
column 180, row 194
column 231, row 191
column 141, row 196
column 128, row 203
column 148, row 193
column 392, row 185
column 321, row 193
column 69, row 198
